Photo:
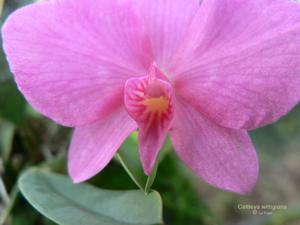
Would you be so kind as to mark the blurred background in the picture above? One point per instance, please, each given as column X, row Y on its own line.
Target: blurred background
column 27, row 139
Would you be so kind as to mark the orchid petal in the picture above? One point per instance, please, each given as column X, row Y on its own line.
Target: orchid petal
column 71, row 58
column 240, row 64
column 93, row 146
column 223, row 157
column 166, row 24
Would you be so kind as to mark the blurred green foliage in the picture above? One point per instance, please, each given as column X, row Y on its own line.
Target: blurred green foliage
column 11, row 102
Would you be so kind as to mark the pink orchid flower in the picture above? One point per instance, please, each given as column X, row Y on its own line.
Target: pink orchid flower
column 204, row 72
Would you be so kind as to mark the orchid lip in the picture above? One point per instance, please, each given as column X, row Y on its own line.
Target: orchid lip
column 149, row 101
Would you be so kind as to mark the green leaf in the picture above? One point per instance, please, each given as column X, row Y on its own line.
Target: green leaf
column 65, row 203
column 12, row 103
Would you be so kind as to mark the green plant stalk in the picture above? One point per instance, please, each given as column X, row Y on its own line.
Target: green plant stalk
column 3, row 192
column 151, row 178
column 131, row 175
column 1, row 6
column 6, row 212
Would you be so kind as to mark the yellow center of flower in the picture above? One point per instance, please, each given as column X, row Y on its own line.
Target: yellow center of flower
column 157, row 104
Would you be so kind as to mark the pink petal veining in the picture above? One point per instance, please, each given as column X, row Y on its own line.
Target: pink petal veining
column 223, row 157
column 92, row 147
column 166, row 23
column 240, row 64
column 70, row 63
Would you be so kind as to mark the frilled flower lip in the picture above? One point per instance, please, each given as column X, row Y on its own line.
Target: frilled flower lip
column 231, row 65
column 150, row 101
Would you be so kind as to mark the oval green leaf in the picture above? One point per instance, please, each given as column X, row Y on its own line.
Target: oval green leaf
column 65, row 203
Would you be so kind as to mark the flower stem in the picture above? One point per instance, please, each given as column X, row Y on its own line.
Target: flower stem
column 151, row 179
column 3, row 192
column 9, row 207
column 129, row 172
